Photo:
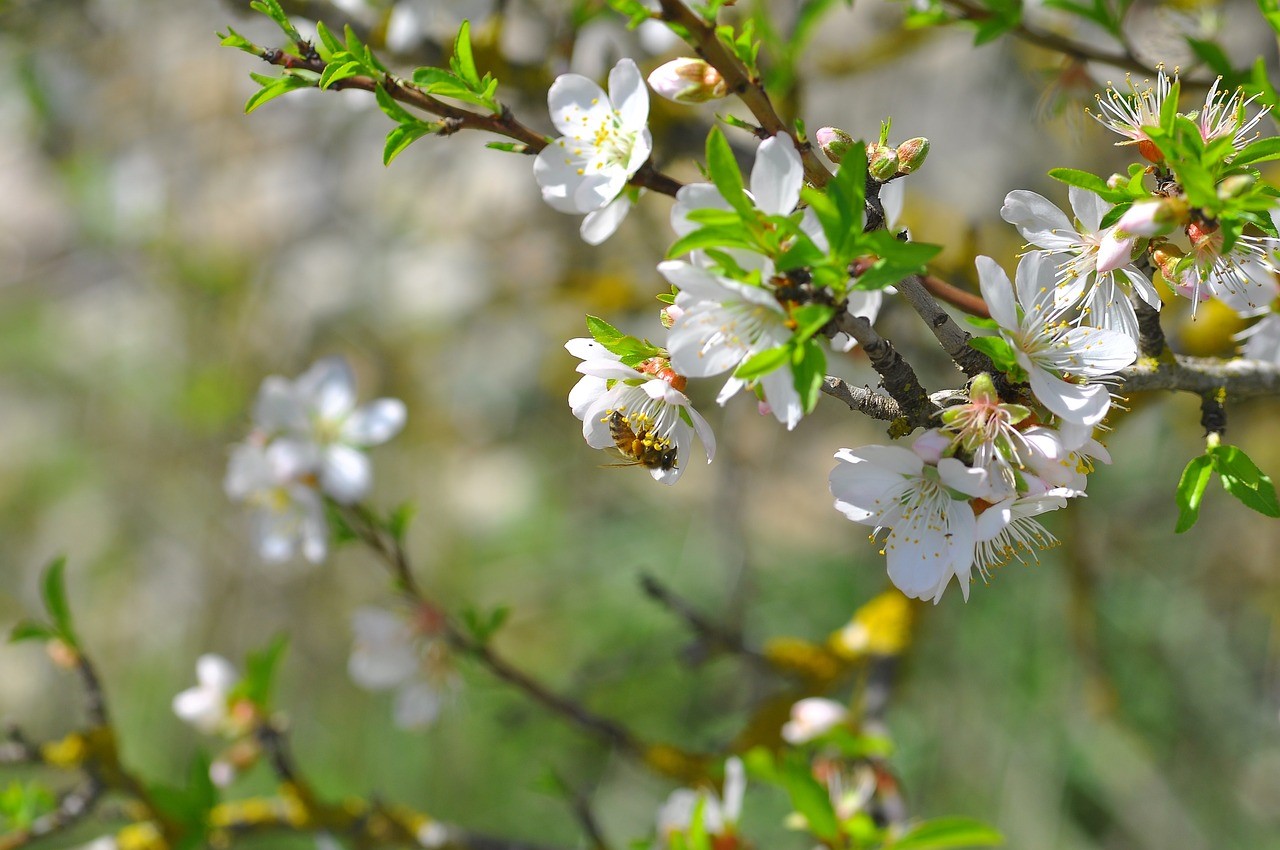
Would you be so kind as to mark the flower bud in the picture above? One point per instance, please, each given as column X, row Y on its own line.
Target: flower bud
column 882, row 162
column 1153, row 218
column 1200, row 231
column 811, row 718
column 688, row 80
column 835, row 143
column 1235, row 185
column 669, row 315
column 911, row 154
column 1166, row 257
column 1115, row 181
column 1115, row 249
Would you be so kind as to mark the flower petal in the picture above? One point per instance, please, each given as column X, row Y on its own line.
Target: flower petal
column 345, row 473
column 777, row 176
column 599, row 225
column 375, row 423
column 629, row 95
column 1039, row 221
column 997, row 291
column 578, row 106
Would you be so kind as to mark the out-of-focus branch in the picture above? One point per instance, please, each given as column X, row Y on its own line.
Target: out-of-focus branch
column 955, row 296
column 503, row 123
column 749, row 89
column 1084, row 51
column 665, row 759
column 72, row 807
column 712, row 636
column 1240, row 378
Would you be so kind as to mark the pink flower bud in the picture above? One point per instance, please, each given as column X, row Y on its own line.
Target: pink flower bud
column 1115, row 249
column 882, row 162
column 1152, row 218
column 931, row 446
column 670, row 315
column 688, row 80
column 911, row 154
column 835, row 143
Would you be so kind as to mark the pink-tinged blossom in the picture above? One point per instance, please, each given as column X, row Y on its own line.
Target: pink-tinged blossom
column 207, row 706
column 1086, row 276
column 604, row 140
column 1047, row 346
column 1224, row 115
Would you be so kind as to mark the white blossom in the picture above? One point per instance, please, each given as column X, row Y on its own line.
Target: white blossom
column 604, row 140
column 650, row 405
column 317, row 412
column 1129, row 113
column 1047, row 346
column 1223, row 114
column 390, row 652
column 1081, row 279
column 275, row 480
column 207, row 705
column 723, row 323
column 720, row 814
column 932, row 527
column 812, row 718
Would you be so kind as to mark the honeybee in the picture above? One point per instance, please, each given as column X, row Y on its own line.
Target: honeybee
column 637, row 448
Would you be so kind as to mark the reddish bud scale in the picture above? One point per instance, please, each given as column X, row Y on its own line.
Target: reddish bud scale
column 660, row 367
column 1149, row 151
column 1198, row 231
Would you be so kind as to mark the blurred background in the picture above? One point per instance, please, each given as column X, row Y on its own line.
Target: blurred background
column 161, row 253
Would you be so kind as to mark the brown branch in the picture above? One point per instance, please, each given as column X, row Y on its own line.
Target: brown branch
column 862, row 399
column 749, row 88
column 712, row 636
column 896, row 374
column 393, row 555
column 1240, row 378
column 969, row 302
column 455, row 118
column 953, row 338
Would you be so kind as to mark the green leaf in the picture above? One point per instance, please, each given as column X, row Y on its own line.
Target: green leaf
column 54, row 590
column 1085, row 180
column 400, row 519
column 603, row 332
column 260, row 668
column 404, row 135
column 1263, row 150
column 234, row 39
column 763, row 362
column 335, row 71
column 811, row 318
column 809, row 368
column 998, row 349
column 393, row 110
column 484, row 626
column 809, row 797
column 723, row 170
column 1242, row 478
column 711, row 237
column 273, row 87
column 463, row 61
column 28, row 630
column 272, row 9
column 1191, row 487
column 947, row 833
column 327, row 39
column 508, row 147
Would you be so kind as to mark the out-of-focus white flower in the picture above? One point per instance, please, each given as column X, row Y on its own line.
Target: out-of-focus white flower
column 932, row 528
column 1262, row 340
column 604, row 141
column 207, row 706
column 1082, row 278
column 288, row 513
column 391, row 652
column 318, row 412
column 812, row 718
column 720, row 815
column 1047, row 346
column 644, row 414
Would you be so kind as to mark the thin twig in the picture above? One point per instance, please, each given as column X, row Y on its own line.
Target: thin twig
column 953, row 338
column 712, row 635
column 896, row 374
column 862, row 399
column 749, row 89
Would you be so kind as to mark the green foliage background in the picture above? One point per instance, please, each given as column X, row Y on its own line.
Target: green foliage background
column 162, row 253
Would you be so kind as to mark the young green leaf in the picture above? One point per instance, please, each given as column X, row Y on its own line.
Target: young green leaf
column 28, row 630
column 809, row 368
column 945, row 833
column 273, row 87
column 54, row 590
column 260, row 670
column 404, row 135
column 1191, row 487
column 1242, row 478
column 723, row 170
column 762, row 363
column 463, row 61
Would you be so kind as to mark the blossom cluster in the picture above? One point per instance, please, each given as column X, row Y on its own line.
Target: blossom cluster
column 307, row 444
